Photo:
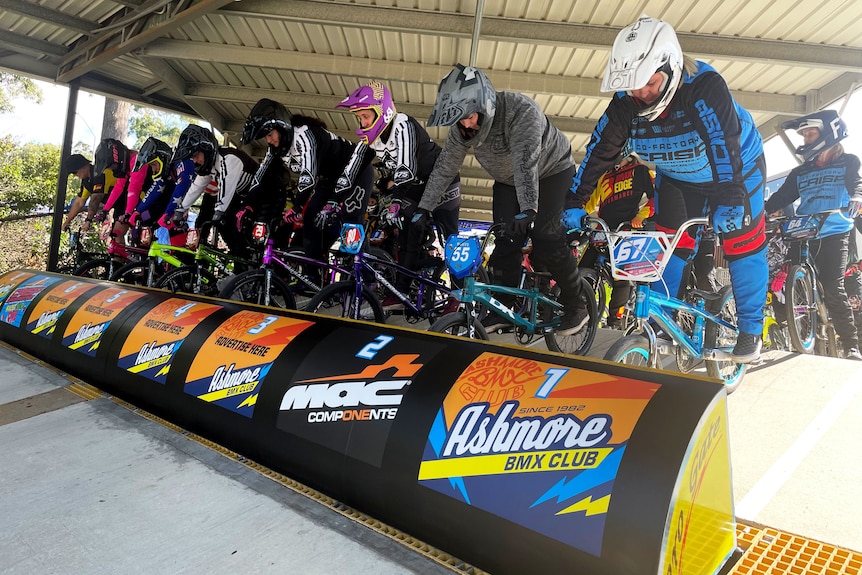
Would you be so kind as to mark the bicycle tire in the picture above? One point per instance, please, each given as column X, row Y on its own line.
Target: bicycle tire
column 100, row 269
column 630, row 350
column 578, row 343
column 715, row 336
column 338, row 300
column 827, row 343
column 801, row 309
column 456, row 324
column 136, row 273
column 248, row 287
column 601, row 291
column 184, row 280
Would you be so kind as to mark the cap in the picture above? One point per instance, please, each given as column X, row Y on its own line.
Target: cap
column 74, row 163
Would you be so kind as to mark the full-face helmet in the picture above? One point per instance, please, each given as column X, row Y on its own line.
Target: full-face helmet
column 463, row 92
column 639, row 51
column 832, row 130
column 113, row 154
column 197, row 139
column 156, row 153
column 268, row 115
column 377, row 98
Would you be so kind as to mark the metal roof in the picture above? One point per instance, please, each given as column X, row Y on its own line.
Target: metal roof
column 214, row 58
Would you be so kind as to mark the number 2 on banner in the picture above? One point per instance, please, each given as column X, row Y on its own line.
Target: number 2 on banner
column 370, row 350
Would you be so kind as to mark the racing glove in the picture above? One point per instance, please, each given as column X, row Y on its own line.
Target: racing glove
column 726, row 219
column 421, row 220
column 100, row 216
column 217, row 216
column 574, row 219
column 292, row 216
column 520, row 224
column 326, row 214
column 166, row 222
column 179, row 215
column 392, row 216
column 854, row 208
column 242, row 213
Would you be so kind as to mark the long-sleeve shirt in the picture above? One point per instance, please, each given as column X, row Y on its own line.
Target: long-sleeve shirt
column 820, row 188
column 406, row 151
column 233, row 171
column 623, row 194
column 521, row 148
column 703, row 138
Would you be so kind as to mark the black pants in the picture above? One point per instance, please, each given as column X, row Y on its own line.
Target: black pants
column 622, row 289
column 830, row 258
column 549, row 238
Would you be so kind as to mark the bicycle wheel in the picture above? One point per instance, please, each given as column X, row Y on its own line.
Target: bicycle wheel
column 827, row 343
column 185, row 280
column 137, row 273
column 578, row 343
column 686, row 320
column 602, row 291
column 339, row 300
column 801, row 309
column 248, row 287
column 717, row 336
column 630, row 350
column 99, row 269
column 456, row 324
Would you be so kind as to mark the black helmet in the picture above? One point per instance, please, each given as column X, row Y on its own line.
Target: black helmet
column 463, row 92
column 268, row 115
column 155, row 152
column 832, row 130
column 112, row 154
column 197, row 139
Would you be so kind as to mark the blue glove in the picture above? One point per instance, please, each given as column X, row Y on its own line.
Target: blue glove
column 726, row 219
column 574, row 219
column 326, row 214
column 520, row 224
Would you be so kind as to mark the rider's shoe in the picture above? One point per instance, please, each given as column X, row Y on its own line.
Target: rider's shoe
column 853, row 353
column 392, row 303
column 747, row 348
column 573, row 322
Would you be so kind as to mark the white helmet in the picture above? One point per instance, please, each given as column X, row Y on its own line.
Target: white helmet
column 640, row 50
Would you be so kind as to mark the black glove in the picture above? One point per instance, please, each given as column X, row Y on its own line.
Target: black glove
column 217, row 216
column 421, row 219
column 520, row 224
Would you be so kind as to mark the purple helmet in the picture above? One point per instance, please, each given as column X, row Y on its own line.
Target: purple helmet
column 375, row 97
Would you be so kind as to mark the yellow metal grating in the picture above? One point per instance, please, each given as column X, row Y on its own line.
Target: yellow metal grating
column 770, row 551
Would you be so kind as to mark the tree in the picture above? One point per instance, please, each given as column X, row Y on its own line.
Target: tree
column 145, row 122
column 115, row 122
column 12, row 86
column 28, row 176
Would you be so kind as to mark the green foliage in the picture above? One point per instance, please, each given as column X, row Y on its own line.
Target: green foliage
column 145, row 122
column 12, row 86
column 28, row 176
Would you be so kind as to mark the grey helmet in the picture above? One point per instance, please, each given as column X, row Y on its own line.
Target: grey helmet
column 464, row 91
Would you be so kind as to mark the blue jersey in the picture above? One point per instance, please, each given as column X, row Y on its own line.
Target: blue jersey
column 183, row 174
column 821, row 188
column 703, row 138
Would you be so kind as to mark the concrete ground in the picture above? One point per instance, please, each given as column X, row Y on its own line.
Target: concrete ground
column 88, row 486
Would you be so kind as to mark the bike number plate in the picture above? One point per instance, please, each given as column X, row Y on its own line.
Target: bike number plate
column 463, row 255
column 352, row 236
column 638, row 257
column 801, row 227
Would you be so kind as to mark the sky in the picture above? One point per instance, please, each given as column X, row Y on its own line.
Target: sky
column 45, row 123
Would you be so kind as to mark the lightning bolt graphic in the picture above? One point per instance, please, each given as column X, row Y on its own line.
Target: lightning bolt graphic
column 437, row 437
column 163, row 371
column 249, row 401
column 591, row 507
column 585, row 480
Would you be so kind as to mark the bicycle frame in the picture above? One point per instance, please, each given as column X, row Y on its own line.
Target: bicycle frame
column 658, row 307
column 474, row 291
